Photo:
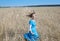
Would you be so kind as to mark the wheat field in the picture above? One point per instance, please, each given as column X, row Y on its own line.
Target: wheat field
column 14, row 23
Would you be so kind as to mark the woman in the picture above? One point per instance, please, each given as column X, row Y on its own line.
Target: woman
column 32, row 35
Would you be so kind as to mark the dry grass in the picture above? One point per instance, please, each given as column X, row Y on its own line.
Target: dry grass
column 14, row 23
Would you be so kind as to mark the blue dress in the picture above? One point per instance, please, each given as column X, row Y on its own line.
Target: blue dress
column 29, row 36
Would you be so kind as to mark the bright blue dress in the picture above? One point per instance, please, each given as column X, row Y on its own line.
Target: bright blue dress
column 29, row 36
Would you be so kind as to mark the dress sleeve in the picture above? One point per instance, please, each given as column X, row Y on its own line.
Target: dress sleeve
column 30, row 22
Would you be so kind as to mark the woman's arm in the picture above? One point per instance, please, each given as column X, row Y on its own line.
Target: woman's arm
column 30, row 29
column 30, row 26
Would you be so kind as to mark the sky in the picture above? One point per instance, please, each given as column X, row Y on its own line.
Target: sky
column 28, row 2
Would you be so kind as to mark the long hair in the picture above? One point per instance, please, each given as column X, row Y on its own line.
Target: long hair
column 31, row 15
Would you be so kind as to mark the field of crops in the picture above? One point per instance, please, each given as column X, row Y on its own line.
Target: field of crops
column 14, row 23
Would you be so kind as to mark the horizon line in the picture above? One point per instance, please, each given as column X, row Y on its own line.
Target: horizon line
column 54, row 5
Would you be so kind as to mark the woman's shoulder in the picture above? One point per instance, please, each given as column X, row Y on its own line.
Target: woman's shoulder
column 31, row 20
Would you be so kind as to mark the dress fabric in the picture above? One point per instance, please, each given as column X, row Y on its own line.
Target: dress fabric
column 29, row 36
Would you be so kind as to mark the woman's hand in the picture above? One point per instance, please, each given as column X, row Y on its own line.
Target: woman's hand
column 31, row 32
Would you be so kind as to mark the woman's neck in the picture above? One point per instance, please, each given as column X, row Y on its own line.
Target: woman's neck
column 32, row 19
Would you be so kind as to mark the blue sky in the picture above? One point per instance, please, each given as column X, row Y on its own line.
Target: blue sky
column 27, row 2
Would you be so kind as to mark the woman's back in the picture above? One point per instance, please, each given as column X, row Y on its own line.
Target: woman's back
column 33, row 26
